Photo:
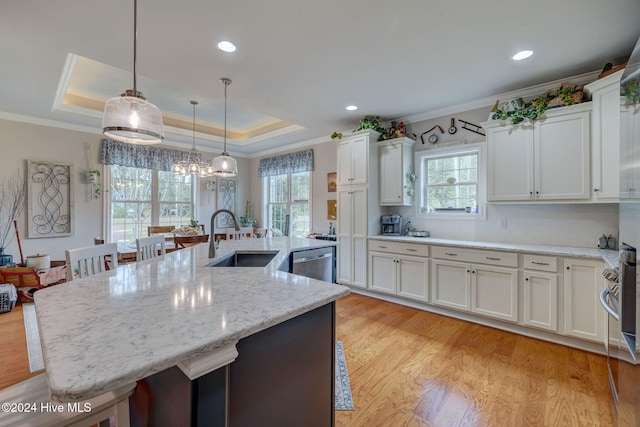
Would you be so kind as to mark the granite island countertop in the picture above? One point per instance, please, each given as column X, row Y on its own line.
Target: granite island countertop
column 114, row 328
column 610, row 257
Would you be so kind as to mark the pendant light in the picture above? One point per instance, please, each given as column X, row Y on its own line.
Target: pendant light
column 130, row 117
column 225, row 165
column 193, row 164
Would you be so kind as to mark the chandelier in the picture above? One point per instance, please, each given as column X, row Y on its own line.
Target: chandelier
column 193, row 165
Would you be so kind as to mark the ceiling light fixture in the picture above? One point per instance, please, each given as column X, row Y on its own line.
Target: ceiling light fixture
column 523, row 54
column 226, row 46
column 352, row 107
column 130, row 117
column 193, row 165
column 225, row 165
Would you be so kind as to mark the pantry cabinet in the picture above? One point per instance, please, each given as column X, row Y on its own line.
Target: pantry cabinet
column 546, row 160
column 540, row 291
column 605, row 137
column 353, row 158
column 395, row 164
column 583, row 315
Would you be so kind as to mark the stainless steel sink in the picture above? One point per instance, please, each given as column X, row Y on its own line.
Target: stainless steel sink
column 245, row 259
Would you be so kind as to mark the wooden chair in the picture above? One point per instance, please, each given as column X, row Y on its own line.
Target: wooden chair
column 181, row 242
column 85, row 262
column 243, row 233
column 147, row 247
column 260, row 233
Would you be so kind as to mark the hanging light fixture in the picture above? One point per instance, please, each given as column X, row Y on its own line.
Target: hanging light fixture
column 130, row 117
column 193, row 164
column 225, row 165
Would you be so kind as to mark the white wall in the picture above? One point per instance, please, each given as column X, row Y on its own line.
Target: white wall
column 551, row 224
column 21, row 141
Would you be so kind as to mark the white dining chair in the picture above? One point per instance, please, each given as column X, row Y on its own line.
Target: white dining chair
column 83, row 262
column 150, row 247
column 243, row 233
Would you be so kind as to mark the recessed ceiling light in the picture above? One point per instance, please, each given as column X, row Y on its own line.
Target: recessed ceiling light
column 352, row 107
column 226, row 46
column 523, row 54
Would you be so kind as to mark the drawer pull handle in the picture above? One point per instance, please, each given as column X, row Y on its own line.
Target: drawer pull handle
column 493, row 258
column 539, row 263
column 412, row 250
column 382, row 247
column 450, row 254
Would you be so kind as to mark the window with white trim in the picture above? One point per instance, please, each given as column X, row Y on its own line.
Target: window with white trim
column 141, row 197
column 288, row 203
column 451, row 182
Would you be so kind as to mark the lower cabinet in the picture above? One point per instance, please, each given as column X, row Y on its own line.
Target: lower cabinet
column 450, row 284
column 541, row 300
column 395, row 273
column 583, row 315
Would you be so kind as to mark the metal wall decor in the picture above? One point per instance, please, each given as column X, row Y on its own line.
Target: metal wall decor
column 226, row 199
column 50, row 199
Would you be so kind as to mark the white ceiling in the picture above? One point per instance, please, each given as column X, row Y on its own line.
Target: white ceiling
column 298, row 62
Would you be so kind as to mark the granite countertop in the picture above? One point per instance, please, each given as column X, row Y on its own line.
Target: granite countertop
column 114, row 328
column 610, row 257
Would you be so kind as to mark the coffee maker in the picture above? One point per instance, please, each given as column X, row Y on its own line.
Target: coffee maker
column 391, row 225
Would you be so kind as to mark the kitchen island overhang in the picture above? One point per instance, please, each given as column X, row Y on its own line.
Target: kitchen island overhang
column 118, row 327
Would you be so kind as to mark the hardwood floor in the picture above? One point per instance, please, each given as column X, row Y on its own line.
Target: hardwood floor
column 14, row 362
column 408, row 367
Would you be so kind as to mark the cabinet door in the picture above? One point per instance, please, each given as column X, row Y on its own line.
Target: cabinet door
column 629, row 153
column 344, row 163
column 413, row 277
column 541, row 300
column 494, row 292
column 510, row 163
column 391, row 179
column 360, row 159
column 606, row 142
column 382, row 272
column 583, row 315
column 562, row 157
column 359, row 236
column 344, row 235
column 450, row 284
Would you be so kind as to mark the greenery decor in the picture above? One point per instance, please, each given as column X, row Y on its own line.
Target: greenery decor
column 336, row 135
column 564, row 93
column 247, row 220
column 370, row 122
column 532, row 111
column 631, row 91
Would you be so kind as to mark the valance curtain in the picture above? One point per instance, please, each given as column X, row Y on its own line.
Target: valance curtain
column 300, row 161
column 140, row 156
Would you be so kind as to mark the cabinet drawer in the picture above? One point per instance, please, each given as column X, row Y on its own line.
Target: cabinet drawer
column 399, row 248
column 541, row 262
column 506, row 259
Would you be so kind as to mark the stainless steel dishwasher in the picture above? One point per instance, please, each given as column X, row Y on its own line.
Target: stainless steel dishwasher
column 317, row 263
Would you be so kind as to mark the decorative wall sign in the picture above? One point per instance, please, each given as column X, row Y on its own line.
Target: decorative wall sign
column 226, row 200
column 50, row 199
column 332, row 209
column 332, row 182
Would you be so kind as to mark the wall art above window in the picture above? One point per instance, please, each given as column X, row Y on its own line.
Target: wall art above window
column 50, row 199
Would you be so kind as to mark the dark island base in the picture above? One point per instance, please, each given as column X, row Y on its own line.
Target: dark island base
column 283, row 376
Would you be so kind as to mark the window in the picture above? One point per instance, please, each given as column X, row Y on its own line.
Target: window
column 451, row 182
column 143, row 197
column 288, row 197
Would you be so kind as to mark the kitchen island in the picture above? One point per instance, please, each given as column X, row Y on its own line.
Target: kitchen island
column 193, row 330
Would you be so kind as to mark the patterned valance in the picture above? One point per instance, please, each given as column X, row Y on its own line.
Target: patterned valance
column 140, row 156
column 300, row 161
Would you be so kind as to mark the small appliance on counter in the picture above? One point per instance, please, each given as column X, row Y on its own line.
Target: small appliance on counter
column 391, row 225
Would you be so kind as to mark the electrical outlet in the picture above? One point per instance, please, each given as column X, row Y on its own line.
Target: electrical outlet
column 503, row 223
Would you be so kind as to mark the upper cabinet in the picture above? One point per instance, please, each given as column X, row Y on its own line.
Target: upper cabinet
column 353, row 158
column 605, row 137
column 395, row 164
column 546, row 160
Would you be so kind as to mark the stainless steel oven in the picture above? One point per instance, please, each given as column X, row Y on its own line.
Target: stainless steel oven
column 609, row 298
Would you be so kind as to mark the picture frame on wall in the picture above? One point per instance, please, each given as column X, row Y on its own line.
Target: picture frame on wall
column 49, row 199
column 332, row 182
column 226, row 199
column 332, row 209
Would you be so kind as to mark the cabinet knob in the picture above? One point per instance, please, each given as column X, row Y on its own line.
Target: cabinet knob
column 595, row 190
column 568, row 267
column 526, row 278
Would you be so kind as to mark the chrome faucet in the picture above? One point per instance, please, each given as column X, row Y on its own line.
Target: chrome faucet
column 212, row 243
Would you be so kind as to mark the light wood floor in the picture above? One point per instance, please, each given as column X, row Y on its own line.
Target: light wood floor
column 408, row 367
column 14, row 362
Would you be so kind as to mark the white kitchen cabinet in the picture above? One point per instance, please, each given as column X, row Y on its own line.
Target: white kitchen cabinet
column 546, row 160
column 605, row 137
column 478, row 281
column 540, row 292
column 392, row 270
column 395, row 163
column 353, row 158
column 583, row 314
column 629, row 152
column 357, row 205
